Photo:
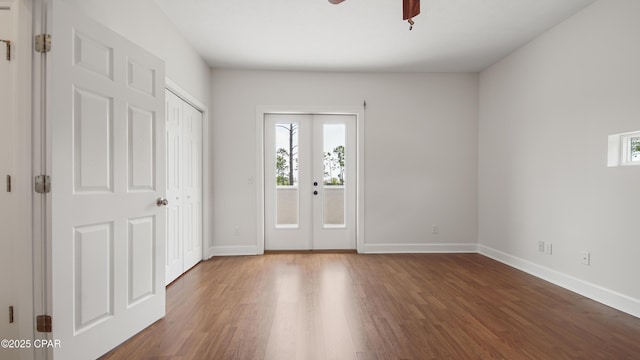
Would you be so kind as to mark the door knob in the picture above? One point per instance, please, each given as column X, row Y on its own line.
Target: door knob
column 315, row 193
column 162, row 202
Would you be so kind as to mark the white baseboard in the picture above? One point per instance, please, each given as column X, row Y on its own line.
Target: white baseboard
column 232, row 251
column 418, row 248
column 605, row 296
column 368, row 249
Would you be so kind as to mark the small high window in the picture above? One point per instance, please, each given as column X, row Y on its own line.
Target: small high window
column 624, row 149
column 634, row 152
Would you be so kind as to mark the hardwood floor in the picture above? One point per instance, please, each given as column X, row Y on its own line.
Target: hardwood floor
column 400, row 306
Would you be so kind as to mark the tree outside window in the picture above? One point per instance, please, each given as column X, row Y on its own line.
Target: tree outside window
column 282, row 166
column 334, row 166
column 635, row 149
column 286, row 158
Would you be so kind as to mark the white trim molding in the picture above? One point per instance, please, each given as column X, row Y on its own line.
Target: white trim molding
column 232, row 251
column 418, row 248
column 600, row 294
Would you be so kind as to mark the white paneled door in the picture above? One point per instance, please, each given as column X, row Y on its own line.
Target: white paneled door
column 310, row 181
column 106, row 117
column 184, row 186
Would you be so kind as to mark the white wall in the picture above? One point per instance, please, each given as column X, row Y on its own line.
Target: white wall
column 420, row 152
column 545, row 114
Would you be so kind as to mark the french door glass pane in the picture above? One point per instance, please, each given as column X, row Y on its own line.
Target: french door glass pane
column 287, row 193
column 334, row 139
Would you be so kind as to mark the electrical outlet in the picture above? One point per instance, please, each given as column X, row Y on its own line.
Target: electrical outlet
column 541, row 246
column 236, row 230
column 548, row 249
column 434, row 229
column 585, row 258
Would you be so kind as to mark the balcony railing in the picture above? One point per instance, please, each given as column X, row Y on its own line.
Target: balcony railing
column 287, row 205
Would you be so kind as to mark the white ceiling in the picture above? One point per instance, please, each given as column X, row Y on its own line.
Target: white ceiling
column 362, row 35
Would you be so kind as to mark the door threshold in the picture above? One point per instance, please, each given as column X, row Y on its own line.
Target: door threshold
column 337, row 251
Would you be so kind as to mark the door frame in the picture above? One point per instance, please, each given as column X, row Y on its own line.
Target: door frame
column 20, row 83
column 358, row 112
column 40, row 164
column 207, row 250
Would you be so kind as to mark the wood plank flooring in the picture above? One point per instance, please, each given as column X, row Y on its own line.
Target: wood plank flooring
column 400, row 306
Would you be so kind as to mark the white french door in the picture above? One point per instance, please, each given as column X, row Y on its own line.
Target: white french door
column 106, row 117
column 310, row 181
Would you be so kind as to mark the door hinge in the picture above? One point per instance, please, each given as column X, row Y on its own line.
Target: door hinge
column 43, row 184
column 11, row 314
column 8, row 44
column 43, row 323
column 8, row 183
column 43, row 43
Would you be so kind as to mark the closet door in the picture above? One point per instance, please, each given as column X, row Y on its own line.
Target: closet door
column 174, row 251
column 192, row 185
column 184, row 186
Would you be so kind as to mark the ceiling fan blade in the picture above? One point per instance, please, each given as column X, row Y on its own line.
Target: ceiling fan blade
column 410, row 8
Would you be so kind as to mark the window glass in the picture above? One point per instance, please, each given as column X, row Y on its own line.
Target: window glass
column 287, row 195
